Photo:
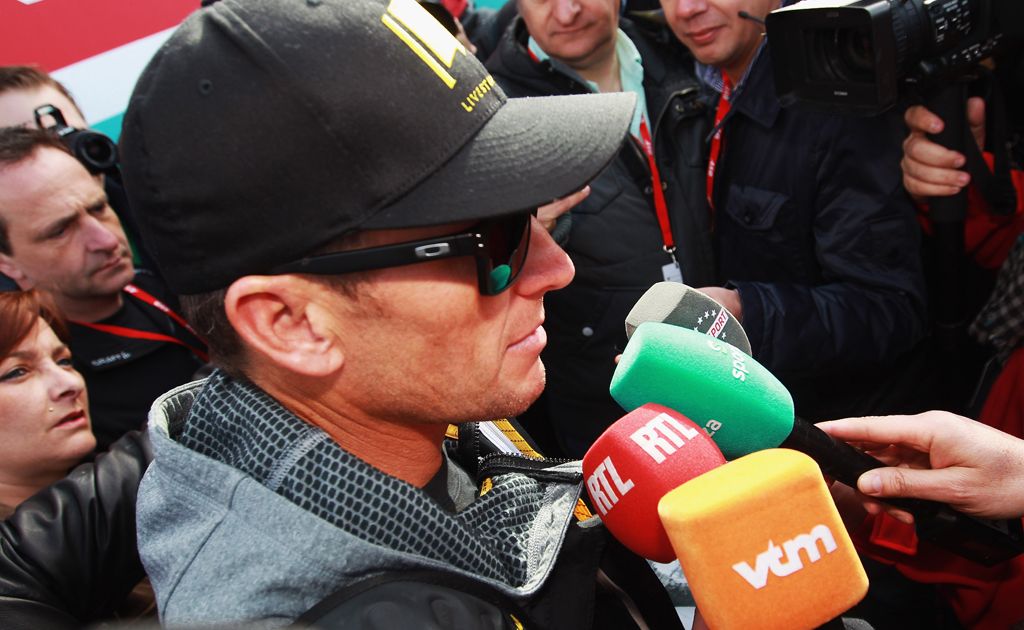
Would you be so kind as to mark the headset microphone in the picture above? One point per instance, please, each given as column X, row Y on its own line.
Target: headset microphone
column 747, row 16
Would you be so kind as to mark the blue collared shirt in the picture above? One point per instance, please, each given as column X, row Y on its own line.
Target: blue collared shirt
column 712, row 76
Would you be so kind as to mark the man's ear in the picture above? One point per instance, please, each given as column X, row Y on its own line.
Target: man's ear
column 277, row 317
column 11, row 269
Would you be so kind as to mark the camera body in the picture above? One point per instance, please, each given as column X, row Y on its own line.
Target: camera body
column 95, row 151
column 857, row 55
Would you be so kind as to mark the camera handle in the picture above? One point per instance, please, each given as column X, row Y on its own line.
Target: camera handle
column 948, row 215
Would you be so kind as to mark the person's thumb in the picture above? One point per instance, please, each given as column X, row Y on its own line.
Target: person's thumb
column 903, row 482
column 976, row 120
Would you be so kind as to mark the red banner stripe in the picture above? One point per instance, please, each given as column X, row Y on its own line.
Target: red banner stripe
column 56, row 33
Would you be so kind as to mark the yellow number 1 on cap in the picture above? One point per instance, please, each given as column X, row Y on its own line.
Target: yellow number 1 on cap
column 416, row 26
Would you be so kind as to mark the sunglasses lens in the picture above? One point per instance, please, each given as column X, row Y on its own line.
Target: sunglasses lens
column 508, row 240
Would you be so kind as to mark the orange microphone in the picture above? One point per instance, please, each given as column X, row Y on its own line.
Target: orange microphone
column 638, row 459
column 762, row 545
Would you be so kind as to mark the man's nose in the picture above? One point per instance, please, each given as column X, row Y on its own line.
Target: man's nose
column 547, row 266
column 686, row 8
column 99, row 236
column 565, row 11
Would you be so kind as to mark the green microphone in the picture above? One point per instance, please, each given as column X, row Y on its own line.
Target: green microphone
column 716, row 385
column 744, row 409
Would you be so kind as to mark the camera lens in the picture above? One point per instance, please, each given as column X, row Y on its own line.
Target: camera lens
column 846, row 54
column 95, row 151
column 855, row 51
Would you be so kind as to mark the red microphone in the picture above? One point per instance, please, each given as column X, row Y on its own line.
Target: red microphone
column 636, row 461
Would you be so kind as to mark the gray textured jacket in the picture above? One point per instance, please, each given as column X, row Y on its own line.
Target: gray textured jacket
column 220, row 546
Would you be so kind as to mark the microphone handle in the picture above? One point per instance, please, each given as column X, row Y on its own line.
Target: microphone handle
column 845, row 463
column 983, row 541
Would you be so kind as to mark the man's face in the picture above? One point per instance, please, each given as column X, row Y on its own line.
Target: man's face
column 17, row 107
column 64, row 236
column 576, row 32
column 714, row 32
column 423, row 345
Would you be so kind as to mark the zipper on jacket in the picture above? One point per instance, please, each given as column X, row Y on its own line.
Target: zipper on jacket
column 500, row 463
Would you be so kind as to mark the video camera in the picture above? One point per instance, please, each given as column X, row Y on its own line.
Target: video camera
column 854, row 55
column 95, row 151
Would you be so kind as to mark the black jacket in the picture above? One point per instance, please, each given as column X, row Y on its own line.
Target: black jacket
column 614, row 239
column 125, row 375
column 68, row 555
column 815, row 230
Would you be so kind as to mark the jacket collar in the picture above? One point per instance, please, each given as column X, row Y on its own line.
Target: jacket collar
column 757, row 100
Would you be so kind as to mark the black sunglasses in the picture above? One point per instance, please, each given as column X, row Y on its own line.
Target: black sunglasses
column 499, row 246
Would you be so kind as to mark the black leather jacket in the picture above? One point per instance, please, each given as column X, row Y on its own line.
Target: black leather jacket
column 64, row 559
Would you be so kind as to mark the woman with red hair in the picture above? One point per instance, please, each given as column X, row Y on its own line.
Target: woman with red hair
column 45, row 428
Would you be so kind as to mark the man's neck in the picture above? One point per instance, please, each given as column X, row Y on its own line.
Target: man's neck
column 89, row 309
column 736, row 71
column 605, row 72
column 410, row 452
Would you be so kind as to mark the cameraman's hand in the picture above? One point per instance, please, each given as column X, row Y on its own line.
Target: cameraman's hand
column 939, row 456
column 929, row 169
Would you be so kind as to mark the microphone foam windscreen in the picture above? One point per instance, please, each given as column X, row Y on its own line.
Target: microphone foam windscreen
column 737, row 401
column 762, row 545
column 680, row 305
column 638, row 459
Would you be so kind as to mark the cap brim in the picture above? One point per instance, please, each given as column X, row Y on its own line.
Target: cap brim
column 531, row 152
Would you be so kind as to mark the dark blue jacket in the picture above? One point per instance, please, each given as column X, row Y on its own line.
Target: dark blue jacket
column 814, row 229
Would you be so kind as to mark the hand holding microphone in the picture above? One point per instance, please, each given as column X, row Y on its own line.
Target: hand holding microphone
column 937, row 455
column 746, row 409
column 680, row 305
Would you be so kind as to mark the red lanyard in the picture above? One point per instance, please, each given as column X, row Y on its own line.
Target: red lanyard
column 660, row 206
column 123, row 331
column 716, row 140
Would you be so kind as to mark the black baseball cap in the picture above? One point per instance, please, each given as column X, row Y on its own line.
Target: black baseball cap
column 264, row 129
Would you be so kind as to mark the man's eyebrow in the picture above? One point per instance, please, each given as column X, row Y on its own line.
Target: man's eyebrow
column 57, row 226
column 98, row 203
column 63, row 223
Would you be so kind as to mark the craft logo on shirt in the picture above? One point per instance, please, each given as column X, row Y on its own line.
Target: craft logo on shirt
column 113, row 358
